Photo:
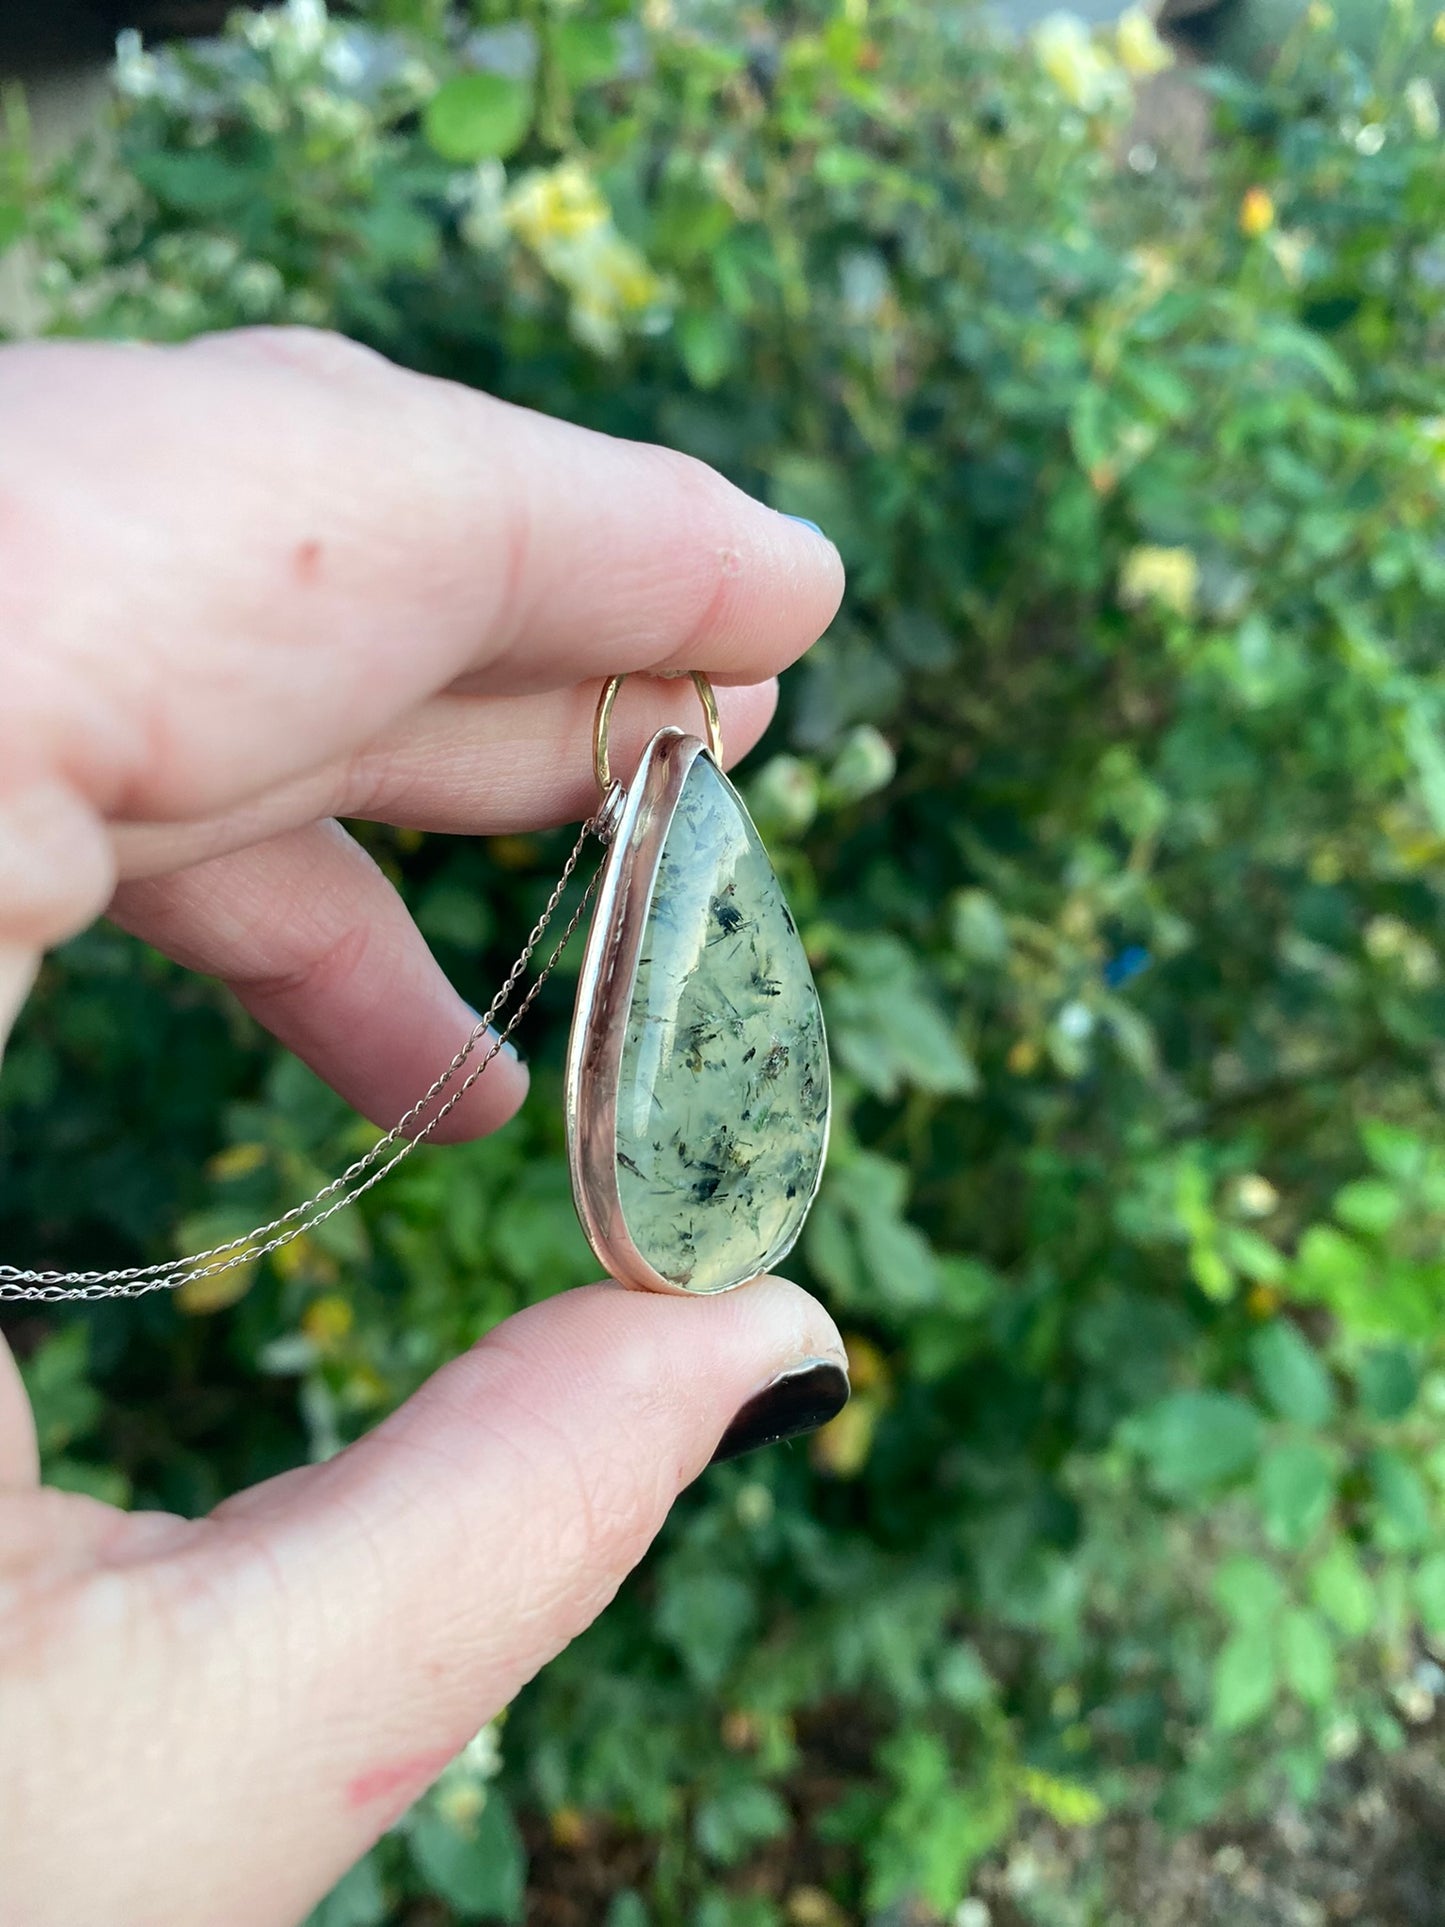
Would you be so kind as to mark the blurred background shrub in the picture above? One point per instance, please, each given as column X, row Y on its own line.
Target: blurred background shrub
column 1113, row 810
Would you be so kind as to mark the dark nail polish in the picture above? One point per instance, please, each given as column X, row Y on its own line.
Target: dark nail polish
column 803, row 522
column 799, row 1401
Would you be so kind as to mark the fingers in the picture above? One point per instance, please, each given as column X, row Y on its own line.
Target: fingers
column 320, row 949
column 350, row 1626
column 18, row 965
column 460, row 764
column 56, row 870
column 224, row 564
column 19, row 1455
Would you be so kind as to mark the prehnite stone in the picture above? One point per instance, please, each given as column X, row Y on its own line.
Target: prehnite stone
column 722, row 1101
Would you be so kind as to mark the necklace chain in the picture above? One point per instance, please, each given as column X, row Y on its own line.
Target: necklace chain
column 49, row 1287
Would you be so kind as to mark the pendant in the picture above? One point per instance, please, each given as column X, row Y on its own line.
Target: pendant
column 697, row 1090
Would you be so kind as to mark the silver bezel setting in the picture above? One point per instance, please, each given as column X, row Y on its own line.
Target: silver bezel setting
column 604, row 997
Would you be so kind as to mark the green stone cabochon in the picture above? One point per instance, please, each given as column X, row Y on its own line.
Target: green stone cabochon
column 722, row 1103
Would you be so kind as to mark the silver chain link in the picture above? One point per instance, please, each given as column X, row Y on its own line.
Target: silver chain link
column 50, row 1287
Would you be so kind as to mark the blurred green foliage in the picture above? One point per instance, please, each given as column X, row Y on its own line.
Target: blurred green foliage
column 1113, row 810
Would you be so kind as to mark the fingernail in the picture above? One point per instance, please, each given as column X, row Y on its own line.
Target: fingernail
column 804, row 523
column 509, row 1049
column 798, row 1401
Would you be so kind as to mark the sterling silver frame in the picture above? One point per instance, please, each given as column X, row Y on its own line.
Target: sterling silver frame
column 604, row 997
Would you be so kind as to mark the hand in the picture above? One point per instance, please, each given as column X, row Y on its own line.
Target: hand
column 248, row 586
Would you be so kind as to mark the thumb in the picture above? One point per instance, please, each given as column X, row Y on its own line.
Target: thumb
column 332, row 1638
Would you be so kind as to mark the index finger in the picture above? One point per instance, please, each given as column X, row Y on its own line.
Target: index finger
column 224, row 563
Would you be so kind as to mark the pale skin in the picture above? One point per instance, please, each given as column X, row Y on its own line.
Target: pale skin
column 248, row 587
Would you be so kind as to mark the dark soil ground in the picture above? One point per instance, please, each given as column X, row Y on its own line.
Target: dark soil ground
column 1370, row 1854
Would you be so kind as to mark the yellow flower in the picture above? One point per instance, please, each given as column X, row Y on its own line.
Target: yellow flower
column 327, row 1320
column 561, row 215
column 460, row 1805
column 619, row 271
column 812, row 1907
column 555, row 204
column 1023, row 1056
column 1141, row 51
column 842, row 1447
column 237, row 1161
column 1076, row 64
column 1168, row 578
column 1256, row 213
column 867, row 1367
column 217, row 1291
column 1065, row 1801
column 302, row 1257
column 571, row 1829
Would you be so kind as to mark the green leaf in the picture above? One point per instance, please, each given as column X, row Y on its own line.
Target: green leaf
column 1248, row 1590
column 832, row 1251
column 899, row 1260
column 357, row 1900
column 481, row 1871
column 448, row 912
column 1212, row 1275
column 1388, row 1382
column 201, row 182
column 1259, row 1260
column 1370, row 1205
column 937, row 1825
column 1307, row 1656
column 1429, row 1588
column 1342, row 1273
column 1296, row 1487
column 708, row 343
column 1195, row 1441
column 978, row 928
column 57, row 1378
column 705, row 1617
column 1400, row 1154
column 1422, row 735
column 627, row 1909
column 536, row 1234
column 1290, row 1374
column 475, row 117
column 885, row 1024
column 586, row 51
column 1404, row 1505
column 1245, row 1681
column 732, row 1822
column 963, row 1678
column 819, row 489
column 104, row 1482
column 13, row 223
column 1342, row 1592
column 718, row 1909
column 397, row 233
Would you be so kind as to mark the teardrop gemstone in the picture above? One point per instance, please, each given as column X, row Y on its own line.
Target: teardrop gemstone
column 723, row 1094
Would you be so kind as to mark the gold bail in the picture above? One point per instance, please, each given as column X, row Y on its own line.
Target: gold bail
column 602, row 722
